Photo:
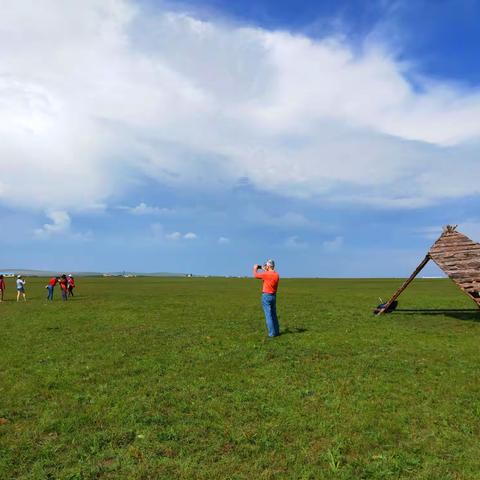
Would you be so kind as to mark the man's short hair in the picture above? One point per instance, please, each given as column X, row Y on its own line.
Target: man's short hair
column 270, row 263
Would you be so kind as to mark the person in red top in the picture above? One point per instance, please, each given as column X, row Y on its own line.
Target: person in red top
column 71, row 285
column 2, row 287
column 50, row 287
column 64, row 287
column 269, row 295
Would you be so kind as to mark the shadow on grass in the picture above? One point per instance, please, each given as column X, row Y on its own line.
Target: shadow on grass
column 289, row 331
column 470, row 314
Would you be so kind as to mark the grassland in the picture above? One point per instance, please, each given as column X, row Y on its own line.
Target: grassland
column 163, row 378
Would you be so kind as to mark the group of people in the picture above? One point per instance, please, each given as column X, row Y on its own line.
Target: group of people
column 20, row 288
column 66, row 282
column 266, row 273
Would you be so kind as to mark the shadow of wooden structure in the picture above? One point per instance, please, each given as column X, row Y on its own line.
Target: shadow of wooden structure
column 458, row 257
column 467, row 314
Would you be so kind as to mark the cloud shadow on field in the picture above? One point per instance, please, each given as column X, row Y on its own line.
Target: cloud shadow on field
column 469, row 314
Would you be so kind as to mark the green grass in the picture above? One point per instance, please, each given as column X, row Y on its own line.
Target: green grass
column 162, row 378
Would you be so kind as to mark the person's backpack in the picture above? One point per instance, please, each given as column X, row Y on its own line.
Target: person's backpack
column 390, row 309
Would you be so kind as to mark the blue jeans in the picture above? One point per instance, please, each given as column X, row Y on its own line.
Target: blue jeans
column 50, row 292
column 269, row 304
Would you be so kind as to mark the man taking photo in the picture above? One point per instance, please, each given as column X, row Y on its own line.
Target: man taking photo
column 269, row 295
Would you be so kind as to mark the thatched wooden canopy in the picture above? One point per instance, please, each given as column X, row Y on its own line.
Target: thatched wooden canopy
column 458, row 257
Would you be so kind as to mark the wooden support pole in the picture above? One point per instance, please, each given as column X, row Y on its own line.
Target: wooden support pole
column 405, row 284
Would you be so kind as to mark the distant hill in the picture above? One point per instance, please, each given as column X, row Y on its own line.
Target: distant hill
column 50, row 273
column 44, row 273
column 143, row 274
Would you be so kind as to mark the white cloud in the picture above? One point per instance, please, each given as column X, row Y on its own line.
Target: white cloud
column 223, row 240
column 60, row 224
column 295, row 242
column 97, row 95
column 173, row 236
column 159, row 233
column 334, row 244
column 144, row 209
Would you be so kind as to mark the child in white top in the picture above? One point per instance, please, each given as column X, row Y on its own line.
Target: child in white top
column 21, row 288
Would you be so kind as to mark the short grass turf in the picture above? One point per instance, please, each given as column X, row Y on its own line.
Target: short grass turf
column 174, row 378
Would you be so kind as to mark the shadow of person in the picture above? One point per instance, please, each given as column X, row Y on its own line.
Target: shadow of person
column 290, row 331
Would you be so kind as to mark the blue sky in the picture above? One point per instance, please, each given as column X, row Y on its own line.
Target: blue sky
column 204, row 136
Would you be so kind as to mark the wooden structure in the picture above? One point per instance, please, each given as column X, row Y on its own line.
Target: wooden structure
column 458, row 257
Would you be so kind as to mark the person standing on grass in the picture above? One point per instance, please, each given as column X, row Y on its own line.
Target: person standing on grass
column 71, row 285
column 21, row 288
column 269, row 295
column 51, row 286
column 2, row 287
column 64, row 287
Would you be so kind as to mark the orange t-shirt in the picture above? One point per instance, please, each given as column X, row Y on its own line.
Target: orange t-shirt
column 270, row 281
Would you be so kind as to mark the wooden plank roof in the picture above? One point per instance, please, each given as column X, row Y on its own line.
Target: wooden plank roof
column 459, row 257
